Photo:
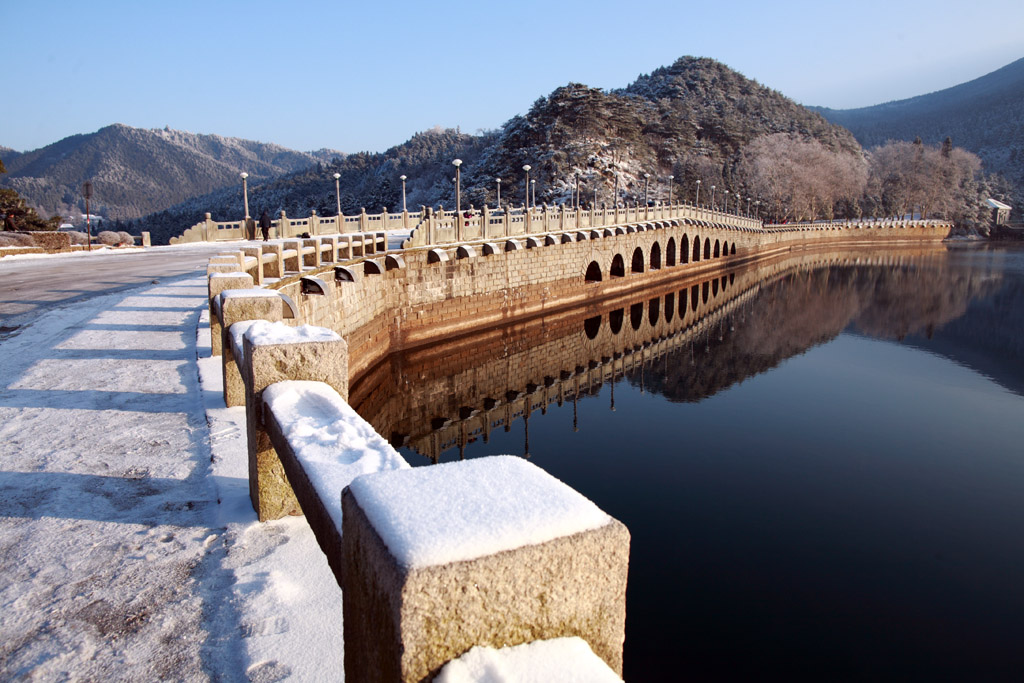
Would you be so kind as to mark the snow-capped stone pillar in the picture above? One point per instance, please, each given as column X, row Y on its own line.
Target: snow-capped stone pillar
column 237, row 306
column 490, row 551
column 293, row 256
column 254, row 267
column 276, row 352
column 217, row 283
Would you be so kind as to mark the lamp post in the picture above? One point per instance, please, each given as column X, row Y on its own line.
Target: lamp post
column 402, row 178
column 533, row 188
column 757, row 209
column 647, row 183
column 337, row 195
column 458, row 190
column 498, row 180
column 712, row 197
column 748, row 206
column 697, row 200
column 616, row 193
column 671, row 179
column 87, row 193
column 578, row 201
column 245, row 192
column 726, row 208
column 527, row 169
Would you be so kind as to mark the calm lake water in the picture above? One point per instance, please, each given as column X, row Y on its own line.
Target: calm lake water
column 821, row 463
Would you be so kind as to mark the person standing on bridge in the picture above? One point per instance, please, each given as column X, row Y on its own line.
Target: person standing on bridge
column 265, row 225
column 9, row 225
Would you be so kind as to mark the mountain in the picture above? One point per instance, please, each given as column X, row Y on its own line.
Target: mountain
column 984, row 116
column 136, row 172
column 689, row 120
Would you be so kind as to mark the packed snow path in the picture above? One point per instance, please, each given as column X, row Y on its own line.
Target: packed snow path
column 128, row 548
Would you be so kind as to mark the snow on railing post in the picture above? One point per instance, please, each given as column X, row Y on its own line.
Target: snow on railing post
column 239, row 306
column 217, row 283
column 507, row 555
column 275, row 352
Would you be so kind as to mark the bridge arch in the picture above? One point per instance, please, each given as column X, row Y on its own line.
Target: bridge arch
column 733, row 249
column 696, row 248
column 615, row 319
column 684, row 249
column 655, row 256
column 718, row 249
column 638, row 261
column 618, row 268
column 670, row 252
column 593, row 272
column 636, row 316
column 707, row 248
column 654, row 310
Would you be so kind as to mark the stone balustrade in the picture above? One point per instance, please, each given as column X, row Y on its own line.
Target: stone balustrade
column 405, row 618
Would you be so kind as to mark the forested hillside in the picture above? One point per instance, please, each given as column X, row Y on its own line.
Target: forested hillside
column 135, row 171
column 984, row 116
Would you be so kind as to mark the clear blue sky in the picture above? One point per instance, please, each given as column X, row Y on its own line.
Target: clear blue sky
column 366, row 75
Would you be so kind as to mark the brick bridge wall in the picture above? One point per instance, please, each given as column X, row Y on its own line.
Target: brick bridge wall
column 436, row 294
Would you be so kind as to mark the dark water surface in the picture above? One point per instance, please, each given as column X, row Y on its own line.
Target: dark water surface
column 821, row 467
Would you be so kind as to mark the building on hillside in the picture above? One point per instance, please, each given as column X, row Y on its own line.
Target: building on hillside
column 1000, row 212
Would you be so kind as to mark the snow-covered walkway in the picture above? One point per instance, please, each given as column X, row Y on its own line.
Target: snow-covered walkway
column 128, row 548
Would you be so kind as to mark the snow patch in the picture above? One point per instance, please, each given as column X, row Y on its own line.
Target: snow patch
column 566, row 660
column 477, row 507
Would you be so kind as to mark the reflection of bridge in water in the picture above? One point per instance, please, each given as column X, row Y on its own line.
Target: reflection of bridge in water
column 449, row 395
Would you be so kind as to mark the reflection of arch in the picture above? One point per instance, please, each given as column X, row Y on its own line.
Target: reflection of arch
column 684, row 249
column 732, row 277
column 682, row 302
column 636, row 316
column 654, row 310
column 670, row 252
column 718, row 249
column 615, row 319
column 592, row 326
column 704, row 291
column 696, row 248
column 694, row 297
column 638, row 261
column 714, row 287
column 655, row 256
column 670, row 306
column 707, row 248
column 593, row 272
column 618, row 268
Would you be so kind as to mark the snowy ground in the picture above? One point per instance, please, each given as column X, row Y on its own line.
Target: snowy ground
column 128, row 548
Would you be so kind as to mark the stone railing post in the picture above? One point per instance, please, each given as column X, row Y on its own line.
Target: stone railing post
column 274, row 353
column 507, row 219
column 282, row 227
column 238, row 306
column 209, row 228
column 417, row 596
column 217, row 283
column 314, row 223
column 428, row 213
column 405, row 219
column 362, row 219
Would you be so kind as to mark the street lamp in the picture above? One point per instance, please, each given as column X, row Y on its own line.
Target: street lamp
column 616, row 192
column 647, row 181
column 245, row 192
column 533, row 186
column 671, row 179
column 712, row 197
column 337, row 195
column 527, row 169
column 498, row 180
column 748, row 206
column 697, row 200
column 726, row 209
column 458, row 189
column 578, row 202
column 402, row 178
